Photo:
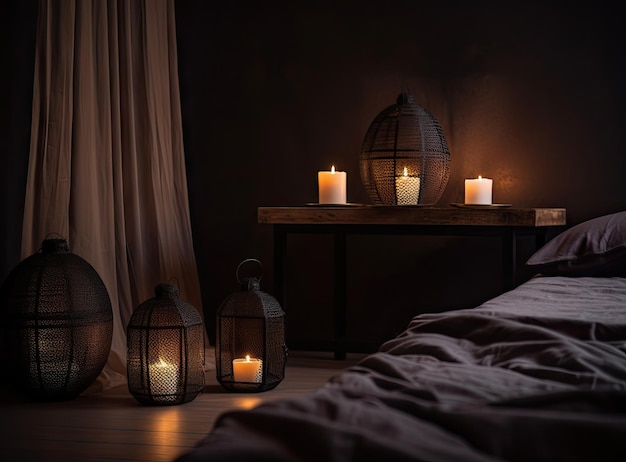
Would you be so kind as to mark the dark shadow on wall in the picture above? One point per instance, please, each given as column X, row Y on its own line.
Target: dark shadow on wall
column 17, row 53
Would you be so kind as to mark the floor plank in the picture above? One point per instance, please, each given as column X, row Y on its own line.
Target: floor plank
column 113, row 426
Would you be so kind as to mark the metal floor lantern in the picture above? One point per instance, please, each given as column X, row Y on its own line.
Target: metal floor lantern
column 250, row 352
column 165, row 343
column 404, row 156
column 57, row 323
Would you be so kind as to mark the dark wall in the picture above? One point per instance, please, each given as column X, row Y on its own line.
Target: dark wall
column 17, row 54
column 530, row 96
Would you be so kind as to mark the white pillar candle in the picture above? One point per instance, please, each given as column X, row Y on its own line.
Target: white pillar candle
column 332, row 187
column 163, row 379
column 247, row 369
column 478, row 191
column 407, row 189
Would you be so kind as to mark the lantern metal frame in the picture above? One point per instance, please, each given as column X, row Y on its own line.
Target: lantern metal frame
column 404, row 157
column 57, row 323
column 165, row 350
column 250, row 323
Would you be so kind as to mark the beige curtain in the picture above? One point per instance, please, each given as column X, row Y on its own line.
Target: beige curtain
column 107, row 169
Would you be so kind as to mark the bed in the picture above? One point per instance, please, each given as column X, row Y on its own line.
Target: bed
column 535, row 374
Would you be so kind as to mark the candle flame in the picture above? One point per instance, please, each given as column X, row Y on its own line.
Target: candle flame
column 480, row 177
column 406, row 173
column 332, row 169
column 161, row 363
column 247, row 358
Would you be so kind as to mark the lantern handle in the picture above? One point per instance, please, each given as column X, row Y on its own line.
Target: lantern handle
column 58, row 236
column 248, row 260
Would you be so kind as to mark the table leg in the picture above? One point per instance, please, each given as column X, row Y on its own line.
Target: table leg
column 280, row 253
column 509, row 259
column 340, row 294
column 541, row 238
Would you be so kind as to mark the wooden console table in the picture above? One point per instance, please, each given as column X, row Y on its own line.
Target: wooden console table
column 340, row 221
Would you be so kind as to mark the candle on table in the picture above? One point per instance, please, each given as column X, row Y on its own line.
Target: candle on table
column 163, row 378
column 247, row 369
column 407, row 189
column 478, row 191
column 332, row 187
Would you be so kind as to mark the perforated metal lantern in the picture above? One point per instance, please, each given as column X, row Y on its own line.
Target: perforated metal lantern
column 57, row 323
column 250, row 352
column 404, row 157
column 165, row 342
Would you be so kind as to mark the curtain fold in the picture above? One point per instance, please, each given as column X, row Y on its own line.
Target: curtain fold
column 107, row 168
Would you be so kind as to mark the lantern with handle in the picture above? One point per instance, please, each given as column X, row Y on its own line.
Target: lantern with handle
column 250, row 352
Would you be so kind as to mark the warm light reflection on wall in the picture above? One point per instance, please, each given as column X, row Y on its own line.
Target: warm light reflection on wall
column 166, row 427
column 247, row 402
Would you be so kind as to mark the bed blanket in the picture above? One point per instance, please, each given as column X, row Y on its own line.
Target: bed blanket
column 536, row 374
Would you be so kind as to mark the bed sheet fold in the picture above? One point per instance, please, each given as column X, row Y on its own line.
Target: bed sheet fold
column 519, row 378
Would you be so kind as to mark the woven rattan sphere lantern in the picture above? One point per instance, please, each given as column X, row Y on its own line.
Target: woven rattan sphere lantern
column 250, row 352
column 165, row 343
column 57, row 323
column 404, row 157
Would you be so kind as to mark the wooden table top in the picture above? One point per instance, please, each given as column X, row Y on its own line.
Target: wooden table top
column 358, row 214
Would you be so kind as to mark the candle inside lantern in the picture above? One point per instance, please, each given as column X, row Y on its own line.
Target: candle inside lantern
column 478, row 191
column 164, row 378
column 332, row 187
column 247, row 369
column 407, row 189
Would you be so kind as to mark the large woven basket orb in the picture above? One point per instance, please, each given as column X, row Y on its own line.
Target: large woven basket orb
column 57, row 323
column 165, row 341
column 405, row 158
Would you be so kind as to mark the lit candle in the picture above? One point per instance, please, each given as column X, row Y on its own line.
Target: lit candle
column 332, row 187
column 407, row 189
column 478, row 191
column 164, row 379
column 247, row 369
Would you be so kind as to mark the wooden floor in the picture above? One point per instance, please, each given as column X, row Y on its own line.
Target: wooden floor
column 113, row 426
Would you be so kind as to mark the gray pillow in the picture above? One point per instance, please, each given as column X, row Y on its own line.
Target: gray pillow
column 593, row 248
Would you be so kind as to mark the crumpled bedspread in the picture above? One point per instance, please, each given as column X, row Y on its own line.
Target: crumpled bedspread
column 536, row 374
